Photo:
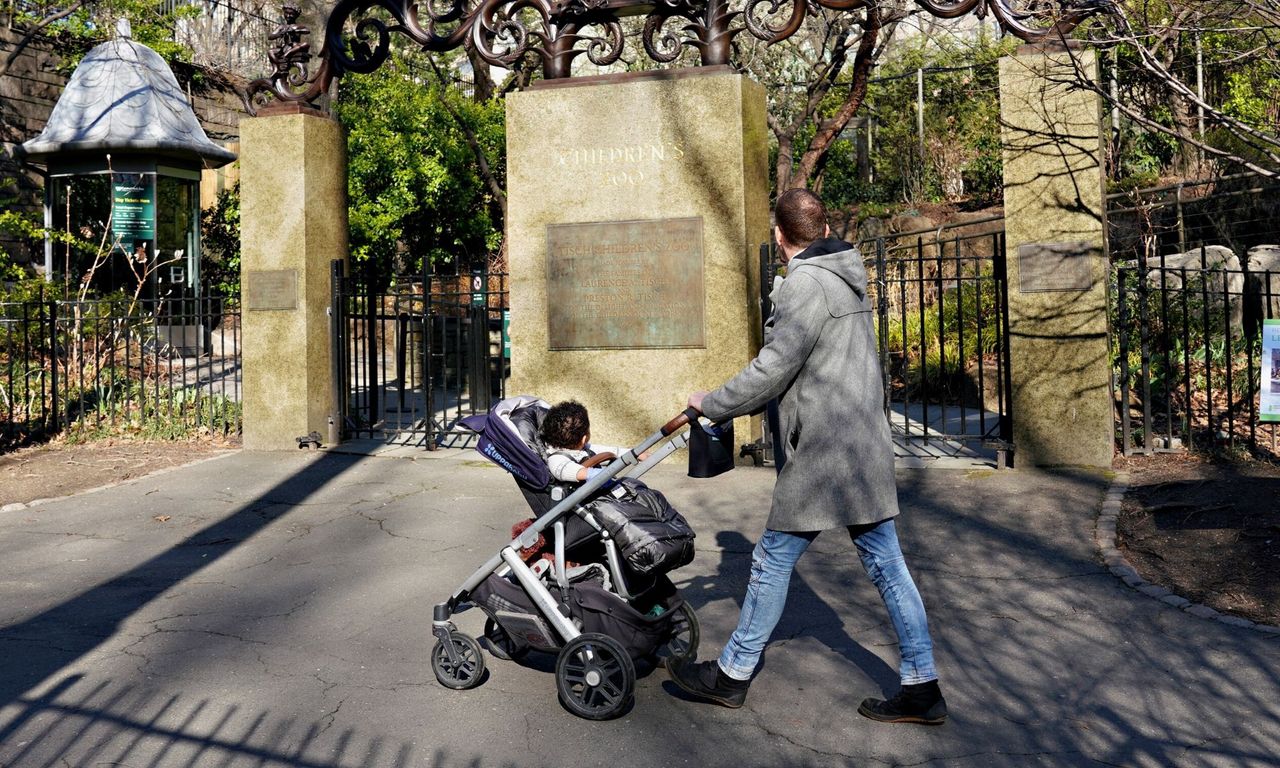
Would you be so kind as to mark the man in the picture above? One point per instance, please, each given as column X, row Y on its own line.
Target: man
column 820, row 361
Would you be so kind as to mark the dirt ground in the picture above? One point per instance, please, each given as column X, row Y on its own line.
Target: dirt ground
column 1208, row 530
column 59, row 469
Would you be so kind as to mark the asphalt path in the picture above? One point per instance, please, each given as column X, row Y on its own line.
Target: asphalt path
column 275, row 610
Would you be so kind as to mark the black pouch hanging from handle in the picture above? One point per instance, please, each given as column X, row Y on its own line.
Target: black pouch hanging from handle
column 710, row 449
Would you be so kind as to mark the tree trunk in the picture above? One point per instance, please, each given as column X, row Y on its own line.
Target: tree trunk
column 482, row 84
column 785, row 160
column 815, row 157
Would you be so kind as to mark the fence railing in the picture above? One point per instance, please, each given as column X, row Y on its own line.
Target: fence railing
column 152, row 368
column 942, row 327
column 419, row 355
column 1187, row 344
column 944, row 331
column 1236, row 212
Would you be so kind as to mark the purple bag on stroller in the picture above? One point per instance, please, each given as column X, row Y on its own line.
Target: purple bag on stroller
column 501, row 441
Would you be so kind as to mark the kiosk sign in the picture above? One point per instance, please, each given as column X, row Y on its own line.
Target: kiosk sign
column 133, row 208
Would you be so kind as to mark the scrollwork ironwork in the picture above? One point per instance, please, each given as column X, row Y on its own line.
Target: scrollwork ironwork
column 661, row 43
column 358, row 33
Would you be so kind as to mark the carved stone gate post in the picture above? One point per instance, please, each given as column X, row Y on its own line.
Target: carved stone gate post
column 1055, row 229
column 293, row 222
column 636, row 208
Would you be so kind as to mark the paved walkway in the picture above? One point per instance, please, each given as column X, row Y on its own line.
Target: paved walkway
column 274, row 609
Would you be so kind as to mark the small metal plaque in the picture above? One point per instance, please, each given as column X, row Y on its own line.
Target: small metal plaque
column 626, row 285
column 1056, row 266
column 271, row 289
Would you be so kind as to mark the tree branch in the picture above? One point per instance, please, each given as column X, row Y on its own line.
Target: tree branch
column 830, row 128
column 482, row 161
column 33, row 31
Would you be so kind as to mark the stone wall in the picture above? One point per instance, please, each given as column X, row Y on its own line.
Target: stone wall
column 32, row 86
column 27, row 95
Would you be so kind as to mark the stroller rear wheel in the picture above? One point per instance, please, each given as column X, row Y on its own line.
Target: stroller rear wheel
column 595, row 677
column 685, row 635
column 464, row 672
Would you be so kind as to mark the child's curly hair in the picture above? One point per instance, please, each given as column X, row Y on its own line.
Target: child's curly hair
column 565, row 425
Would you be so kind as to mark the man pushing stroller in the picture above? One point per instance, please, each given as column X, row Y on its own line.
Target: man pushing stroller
column 819, row 360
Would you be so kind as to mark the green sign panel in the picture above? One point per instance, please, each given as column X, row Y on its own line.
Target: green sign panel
column 133, row 208
column 506, row 333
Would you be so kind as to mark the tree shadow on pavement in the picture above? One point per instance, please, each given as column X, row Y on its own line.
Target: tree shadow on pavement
column 60, row 635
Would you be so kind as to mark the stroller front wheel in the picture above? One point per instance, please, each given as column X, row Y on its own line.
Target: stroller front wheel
column 464, row 669
column 595, row 676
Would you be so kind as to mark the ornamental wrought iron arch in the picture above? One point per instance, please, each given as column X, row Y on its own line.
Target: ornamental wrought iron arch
column 504, row 32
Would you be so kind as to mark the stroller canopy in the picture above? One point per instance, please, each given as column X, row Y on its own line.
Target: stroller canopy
column 509, row 437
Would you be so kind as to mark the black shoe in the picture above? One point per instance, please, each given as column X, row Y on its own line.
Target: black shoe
column 705, row 681
column 921, row 703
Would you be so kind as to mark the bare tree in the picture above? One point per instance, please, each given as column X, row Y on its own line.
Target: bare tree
column 43, row 16
column 1199, row 60
column 832, row 56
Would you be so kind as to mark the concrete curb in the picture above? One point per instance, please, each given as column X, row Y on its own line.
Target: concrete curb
column 1104, row 536
column 19, row 506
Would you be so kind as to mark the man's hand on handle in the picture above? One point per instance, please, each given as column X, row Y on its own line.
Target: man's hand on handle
column 695, row 400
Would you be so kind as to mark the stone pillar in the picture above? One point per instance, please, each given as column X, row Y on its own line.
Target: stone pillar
column 1055, row 230
column 293, row 223
column 636, row 208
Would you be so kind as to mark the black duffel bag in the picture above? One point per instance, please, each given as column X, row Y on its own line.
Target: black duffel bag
column 651, row 535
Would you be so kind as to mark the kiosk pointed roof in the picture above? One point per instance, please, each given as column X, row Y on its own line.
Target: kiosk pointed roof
column 124, row 98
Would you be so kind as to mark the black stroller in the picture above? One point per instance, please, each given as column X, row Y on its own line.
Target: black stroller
column 600, row 598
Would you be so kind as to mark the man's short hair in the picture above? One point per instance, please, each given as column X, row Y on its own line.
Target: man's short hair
column 801, row 216
column 565, row 424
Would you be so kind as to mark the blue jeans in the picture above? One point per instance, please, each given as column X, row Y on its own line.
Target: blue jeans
column 773, row 561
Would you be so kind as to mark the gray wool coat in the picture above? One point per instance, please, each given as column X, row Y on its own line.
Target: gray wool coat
column 820, row 359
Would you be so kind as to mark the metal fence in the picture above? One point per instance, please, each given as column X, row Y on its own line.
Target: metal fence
column 942, row 299
column 1238, row 212
column 143, row 367
column 1196, row 272
column 414, row 358
column 942, row 327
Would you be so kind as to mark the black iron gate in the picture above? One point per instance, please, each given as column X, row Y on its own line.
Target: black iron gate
column 413, row 357
column 941, row 298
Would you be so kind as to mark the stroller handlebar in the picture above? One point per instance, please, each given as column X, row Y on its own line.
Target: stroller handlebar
column 598, row 459
column 684, row 418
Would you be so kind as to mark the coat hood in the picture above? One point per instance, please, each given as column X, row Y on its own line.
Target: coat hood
column 838, row 257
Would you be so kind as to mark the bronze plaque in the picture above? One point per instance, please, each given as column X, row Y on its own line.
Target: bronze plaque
column 271, row 289
column 625, row 285
column 1056, row 266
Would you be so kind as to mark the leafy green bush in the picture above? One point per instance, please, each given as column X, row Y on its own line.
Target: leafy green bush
column 220, row 243
column 941, row 343
column 413, row 183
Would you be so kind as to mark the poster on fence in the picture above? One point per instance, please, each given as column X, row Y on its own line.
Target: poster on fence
column 1269, row 392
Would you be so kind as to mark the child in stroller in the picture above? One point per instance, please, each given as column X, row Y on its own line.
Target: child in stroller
column 566, row 432
column 598, row 617
column 571, row 457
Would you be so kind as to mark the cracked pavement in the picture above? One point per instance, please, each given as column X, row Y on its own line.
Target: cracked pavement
column 274, row 610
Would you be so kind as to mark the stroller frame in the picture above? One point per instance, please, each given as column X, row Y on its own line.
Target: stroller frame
column 457, row 657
